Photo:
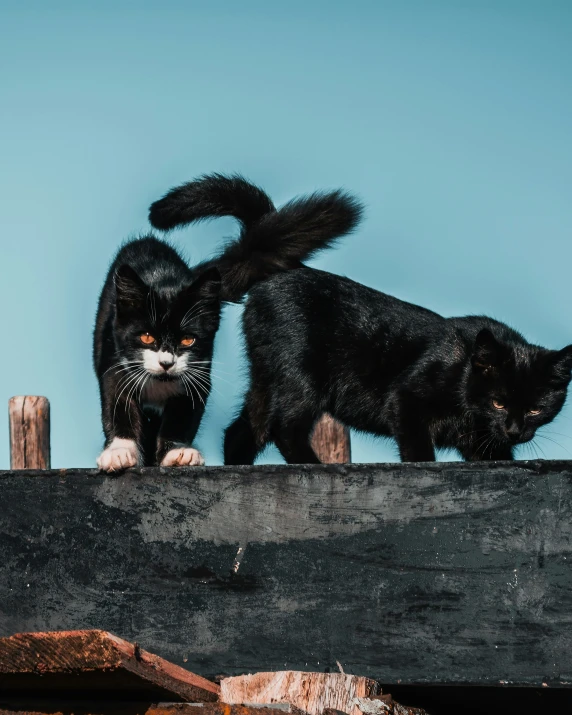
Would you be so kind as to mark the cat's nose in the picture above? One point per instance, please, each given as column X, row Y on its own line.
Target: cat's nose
column 166, row 365
column 513, row 430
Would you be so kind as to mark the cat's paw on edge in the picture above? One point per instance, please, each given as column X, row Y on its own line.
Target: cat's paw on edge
column 183, row 457
column 121, row 454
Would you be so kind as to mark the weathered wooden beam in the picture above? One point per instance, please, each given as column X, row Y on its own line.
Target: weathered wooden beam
column 331, row 441
column 92, row 660
column 311, row 692
column 413, row 573
column 29, row 432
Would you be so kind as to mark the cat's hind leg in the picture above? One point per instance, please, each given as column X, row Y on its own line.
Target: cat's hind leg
column 240, row 444
column 292, row 437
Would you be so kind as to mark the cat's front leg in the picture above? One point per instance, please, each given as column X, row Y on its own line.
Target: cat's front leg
column 181, row 420
column 123, row 428
column 121, row 453
column 412, row 434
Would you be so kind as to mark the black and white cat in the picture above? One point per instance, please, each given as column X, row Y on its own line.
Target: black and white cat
column 157, row 317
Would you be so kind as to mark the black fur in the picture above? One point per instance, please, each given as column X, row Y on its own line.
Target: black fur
column 270, row 241
column 318, row 342
column 151, row 290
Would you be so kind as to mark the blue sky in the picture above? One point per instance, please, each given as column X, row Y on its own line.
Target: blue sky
column 450, row 119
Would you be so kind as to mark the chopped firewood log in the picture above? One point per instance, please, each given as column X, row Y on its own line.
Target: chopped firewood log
column 379, row 705
column 94, row 661
column 311, row 692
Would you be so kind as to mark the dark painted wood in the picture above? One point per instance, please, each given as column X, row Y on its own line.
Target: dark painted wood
column 430, row 573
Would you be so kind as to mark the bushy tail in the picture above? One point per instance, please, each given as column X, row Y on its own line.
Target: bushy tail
column 270, row 240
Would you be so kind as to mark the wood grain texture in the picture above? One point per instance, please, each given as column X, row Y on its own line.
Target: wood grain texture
column 331, row 441
column 404, row 573
column 29, row 432
column 311, row 692
column 92, row 659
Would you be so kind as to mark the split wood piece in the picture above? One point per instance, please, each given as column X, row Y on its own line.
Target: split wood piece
column 382, row 705
column 331, row 441
column 312, row 692
column 67, row 661
column 29, row 432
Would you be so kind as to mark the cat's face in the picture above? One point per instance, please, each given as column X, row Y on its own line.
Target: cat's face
column 166, row 337
column 515, row 389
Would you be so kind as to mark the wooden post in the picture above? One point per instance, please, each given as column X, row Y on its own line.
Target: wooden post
column 29, row 432
column 331, row 441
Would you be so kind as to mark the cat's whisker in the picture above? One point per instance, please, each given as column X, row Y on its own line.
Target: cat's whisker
column 193, row 385
column 207, row 368
column 217, row 377
column 559, row 434
column 128, row 382
column 186, row 384
column 152, row 306
column 189, row 314
column 200, row 362
column 196, row 317
column 538, row 447
column 123, row 365
column 133, row 391
column 543, row 436
column 198, row 381
column 208, row 386
column 145, row 381
column 124, row 379
column 205, row 388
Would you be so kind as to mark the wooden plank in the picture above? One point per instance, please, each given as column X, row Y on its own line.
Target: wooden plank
column 331, row 441
column 29, row 432
column 94, row 660
column 311, row 692
column 417, row 574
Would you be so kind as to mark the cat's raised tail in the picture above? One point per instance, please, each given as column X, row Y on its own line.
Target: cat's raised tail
column 271, row 240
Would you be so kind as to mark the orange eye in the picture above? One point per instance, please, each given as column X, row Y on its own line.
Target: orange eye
column 187, row 341
column 498, row 405
column 147, row 339
column 534, row 412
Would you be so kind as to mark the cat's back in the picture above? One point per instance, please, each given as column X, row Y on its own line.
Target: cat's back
column 324, row 299
column 470, row 325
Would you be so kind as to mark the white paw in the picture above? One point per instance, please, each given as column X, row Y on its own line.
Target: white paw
column 121, row 454
column 183, row 457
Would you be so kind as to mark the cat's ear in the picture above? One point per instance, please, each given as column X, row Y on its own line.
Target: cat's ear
column 131, row 291
column 561, row 363
column 487, row 352
column 207, row 286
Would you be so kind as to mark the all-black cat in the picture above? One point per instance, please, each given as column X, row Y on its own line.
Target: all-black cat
column 319, row 342
column 157, row 317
